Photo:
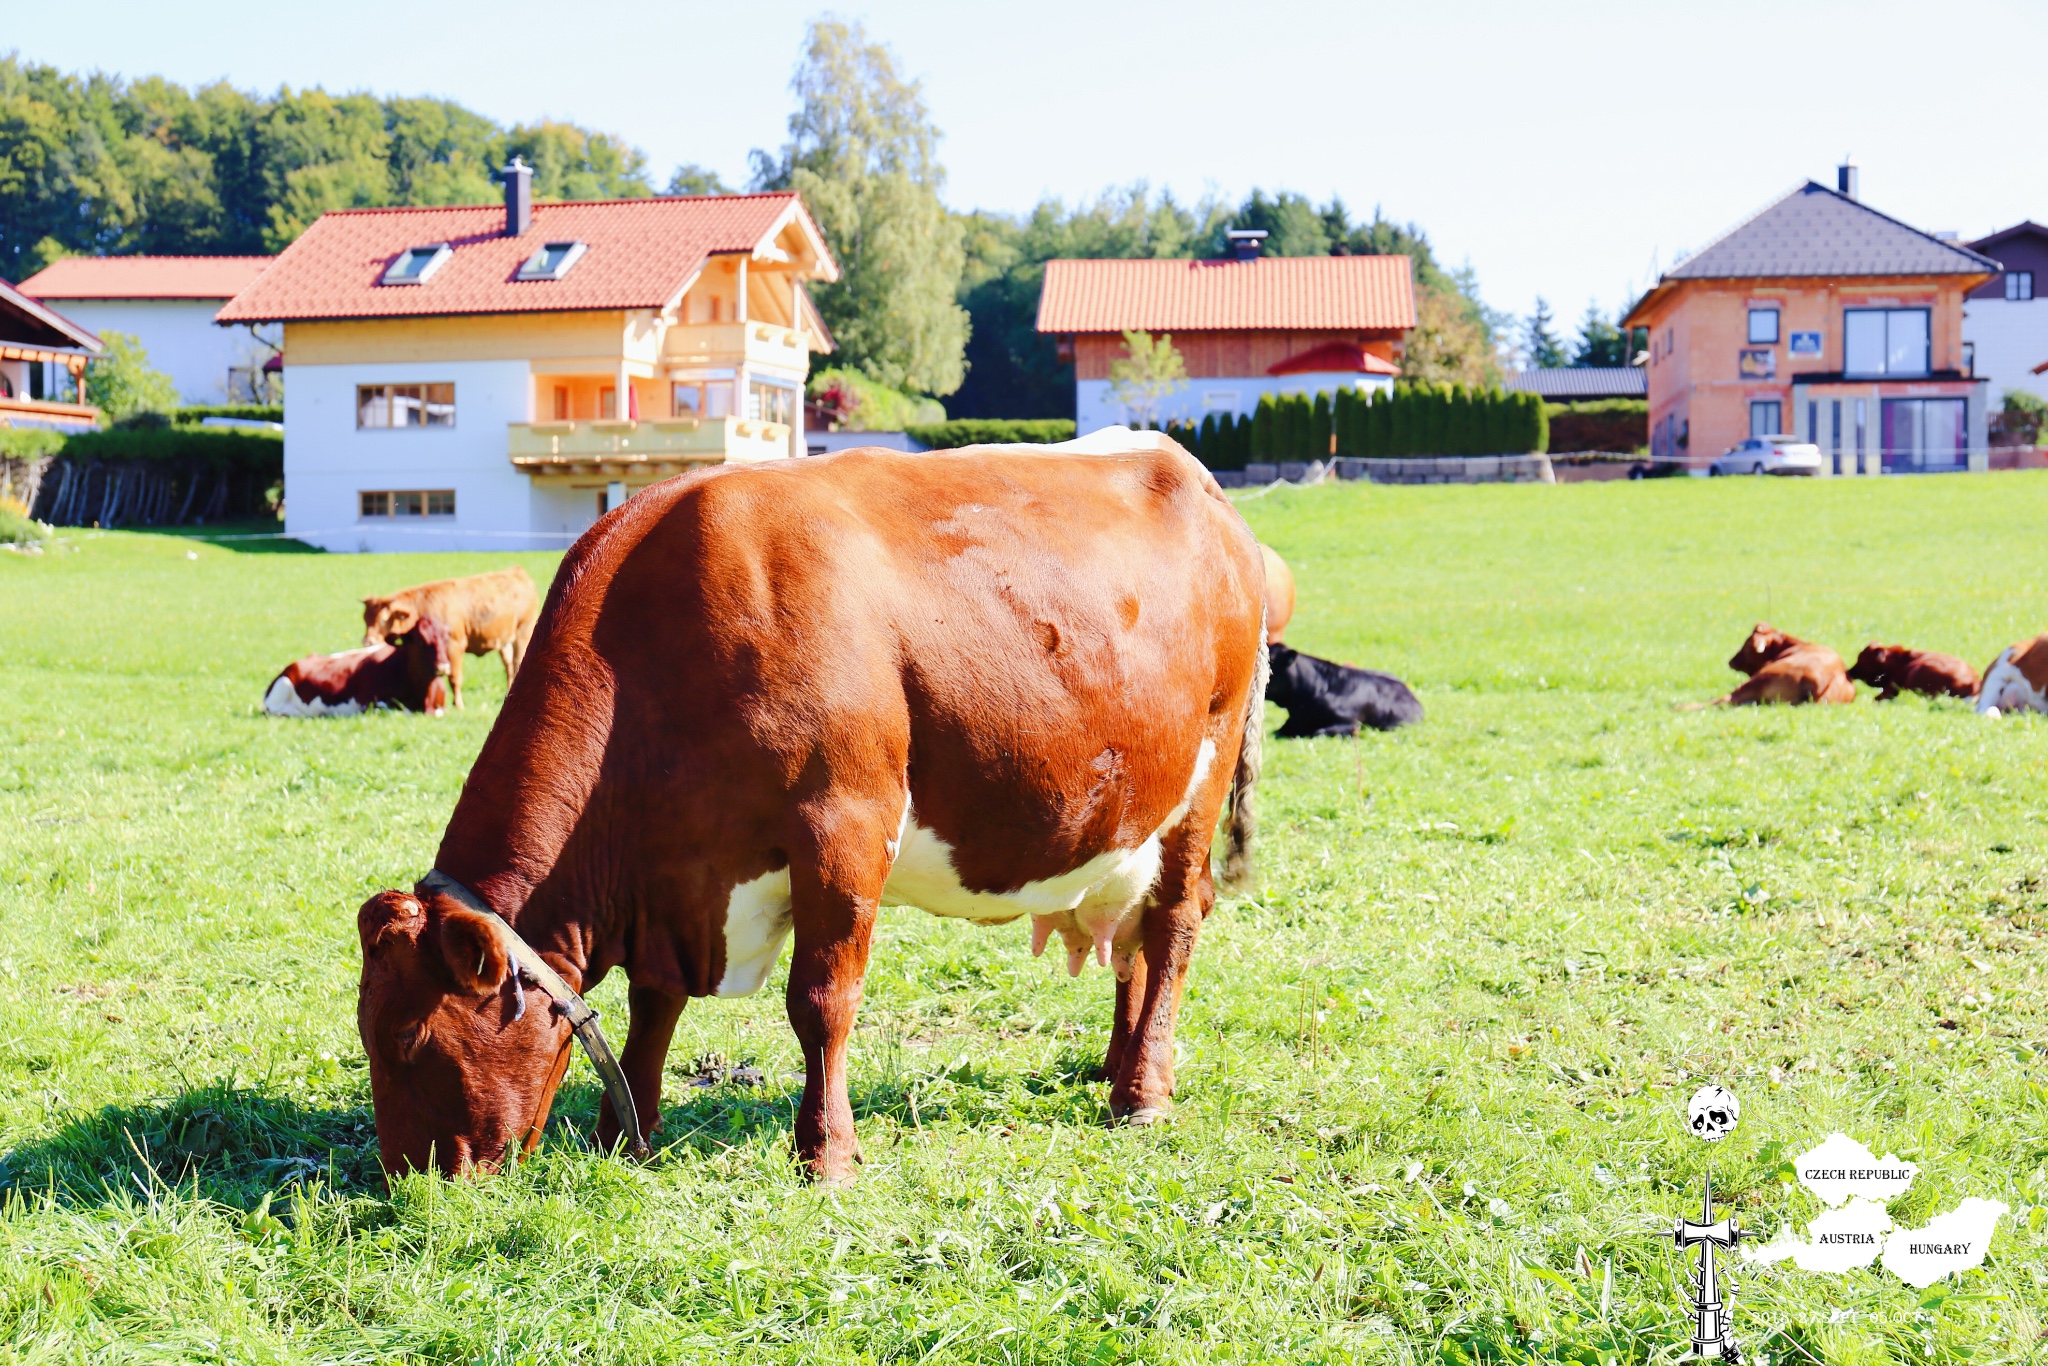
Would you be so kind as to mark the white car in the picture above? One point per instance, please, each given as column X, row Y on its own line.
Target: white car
column 1768, row 455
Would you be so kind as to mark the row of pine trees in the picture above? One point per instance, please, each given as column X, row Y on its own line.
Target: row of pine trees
column 1411, row 419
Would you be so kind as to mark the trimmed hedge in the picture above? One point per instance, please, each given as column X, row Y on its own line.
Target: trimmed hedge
column 26, row 443
column 1615, row 424
column 209, row 448
column 252, row 412
column 946, row 436
column 161, row 476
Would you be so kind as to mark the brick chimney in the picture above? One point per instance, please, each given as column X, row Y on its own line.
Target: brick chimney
column 518, row 197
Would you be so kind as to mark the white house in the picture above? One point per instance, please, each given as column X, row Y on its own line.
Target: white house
column 2005, row 322
column 486, row 377
column 168, row 304
column 1244, row 327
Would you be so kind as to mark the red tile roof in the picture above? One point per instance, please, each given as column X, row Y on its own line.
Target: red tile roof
column 641, row 253
column 1307, row 293
column 1335, row 357
column 145, row 277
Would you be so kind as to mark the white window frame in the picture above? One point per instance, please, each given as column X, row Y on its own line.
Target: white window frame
column 439, row 254
column 536, row 268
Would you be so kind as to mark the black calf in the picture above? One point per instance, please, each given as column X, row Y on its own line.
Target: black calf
column 1323, row 698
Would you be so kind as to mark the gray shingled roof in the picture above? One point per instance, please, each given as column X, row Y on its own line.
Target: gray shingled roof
column 1566, row 383
column 1814, row 231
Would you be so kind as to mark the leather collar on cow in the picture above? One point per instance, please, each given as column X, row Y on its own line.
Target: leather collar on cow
column 582, row 1019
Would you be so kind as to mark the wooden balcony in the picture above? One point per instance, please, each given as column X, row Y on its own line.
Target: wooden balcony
column 37, row 412
column 652, row 447
column 728, row 344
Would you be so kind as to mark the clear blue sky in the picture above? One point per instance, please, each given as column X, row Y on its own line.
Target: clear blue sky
column 1560, row 148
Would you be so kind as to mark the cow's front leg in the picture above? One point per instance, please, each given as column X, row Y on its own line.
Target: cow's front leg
column 834, row 888
column 1140, row 1058
column 651, row 1025
column 455, row 672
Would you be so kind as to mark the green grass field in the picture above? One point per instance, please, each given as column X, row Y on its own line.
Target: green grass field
column 1432, row 1075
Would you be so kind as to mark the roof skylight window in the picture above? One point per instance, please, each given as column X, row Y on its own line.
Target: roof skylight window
column 552, row 261
column 414, row 266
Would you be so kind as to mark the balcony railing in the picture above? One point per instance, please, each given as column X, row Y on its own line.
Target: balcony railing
column 659, row 445
column 724, row 344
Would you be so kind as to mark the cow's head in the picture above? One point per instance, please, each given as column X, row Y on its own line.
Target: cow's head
column 464, row 1058
column 1280, row 674
column 1765, row 644
column 387, row 617
column 1874, row 665
column 424, row 646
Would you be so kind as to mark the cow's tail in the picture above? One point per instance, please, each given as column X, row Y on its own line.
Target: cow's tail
column 1244, row 821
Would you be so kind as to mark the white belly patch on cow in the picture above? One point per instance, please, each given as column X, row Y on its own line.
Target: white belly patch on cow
column 284, row 700
column 1092, row 901
column 2006, row 689
column 757, row 920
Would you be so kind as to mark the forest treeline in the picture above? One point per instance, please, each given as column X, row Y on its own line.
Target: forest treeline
column 932, row 303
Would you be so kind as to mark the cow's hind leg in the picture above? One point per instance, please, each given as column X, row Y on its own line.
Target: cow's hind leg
column 1139, row 1063
column 835, row 886
column 650, row 1026
column 505, row 658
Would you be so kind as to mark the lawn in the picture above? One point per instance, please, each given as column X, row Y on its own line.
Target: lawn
column 1433, row 1072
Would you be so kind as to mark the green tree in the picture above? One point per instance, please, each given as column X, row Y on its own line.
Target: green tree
column 1322, row 428
column 692, row 179
column 1149, row 370
column 862, row 152
column 1265, row 419
column 1600, row 341
column 121, row 382
column 575, row 163
column 1539, row 338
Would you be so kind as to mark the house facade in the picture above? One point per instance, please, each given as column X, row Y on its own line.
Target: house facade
column 1244, row 327
column 168, row 303
column 2005, row 322
column 1822, row 318
column 496, row 378
column 42, row 366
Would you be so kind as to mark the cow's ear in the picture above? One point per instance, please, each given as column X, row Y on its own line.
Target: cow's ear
column 387, row 919
column 476, row 955
column 402, row 619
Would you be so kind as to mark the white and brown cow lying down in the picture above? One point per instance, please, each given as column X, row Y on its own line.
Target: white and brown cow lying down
column 764, row 701
column 408, row 671
column 2017, row 680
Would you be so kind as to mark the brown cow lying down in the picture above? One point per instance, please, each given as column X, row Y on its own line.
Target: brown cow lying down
column 482, row 613
column 1784, row 668
column 2017, row 680
column 767, row 700
column 408, row 671
column 1896, row 669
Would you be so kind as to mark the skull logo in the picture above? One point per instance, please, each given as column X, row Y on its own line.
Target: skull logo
column 1712, row 1113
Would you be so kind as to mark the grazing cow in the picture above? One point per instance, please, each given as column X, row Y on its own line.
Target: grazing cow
column 1323, row 698
column 1279, row 594
column 1784, row 668
column 408, row 671
column 482, row 613
column 1896, row 669
column 766, row 700
column 2017, row 680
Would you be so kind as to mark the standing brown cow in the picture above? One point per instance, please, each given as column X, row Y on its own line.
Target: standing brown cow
column 481, row 613
column 769, row 699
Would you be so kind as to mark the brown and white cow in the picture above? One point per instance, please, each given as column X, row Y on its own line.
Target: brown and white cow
column 1784, row 668
column 2017, row 680
column 1893, row 669
column 767, row 700
column 408, row 671
column 482, row 613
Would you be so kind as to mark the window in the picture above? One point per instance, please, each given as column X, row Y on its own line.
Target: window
column 1764, row 419
column 702, row 398
column 1884, row 341
column 2019, row 284
column 414, row 266
column 607, row 403
column 772, row 403
column 561, row 403
column 1763, row 327
column 1221, row 398
column 407, row 502
column 1924, row 435
column 552, row 261
column 1970, row 358
column 405, row 405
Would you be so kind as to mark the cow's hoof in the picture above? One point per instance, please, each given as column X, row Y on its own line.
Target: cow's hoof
column 1142, row 1116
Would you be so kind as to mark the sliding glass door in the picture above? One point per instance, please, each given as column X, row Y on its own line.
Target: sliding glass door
column 1925, row 435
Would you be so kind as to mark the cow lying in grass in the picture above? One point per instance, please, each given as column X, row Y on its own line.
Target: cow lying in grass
column 1786, row 669
column 1324, row 698
column 2017, row 680
column 766, row 700
column 408, row 671
column 1895, row 669
column 482, row 613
